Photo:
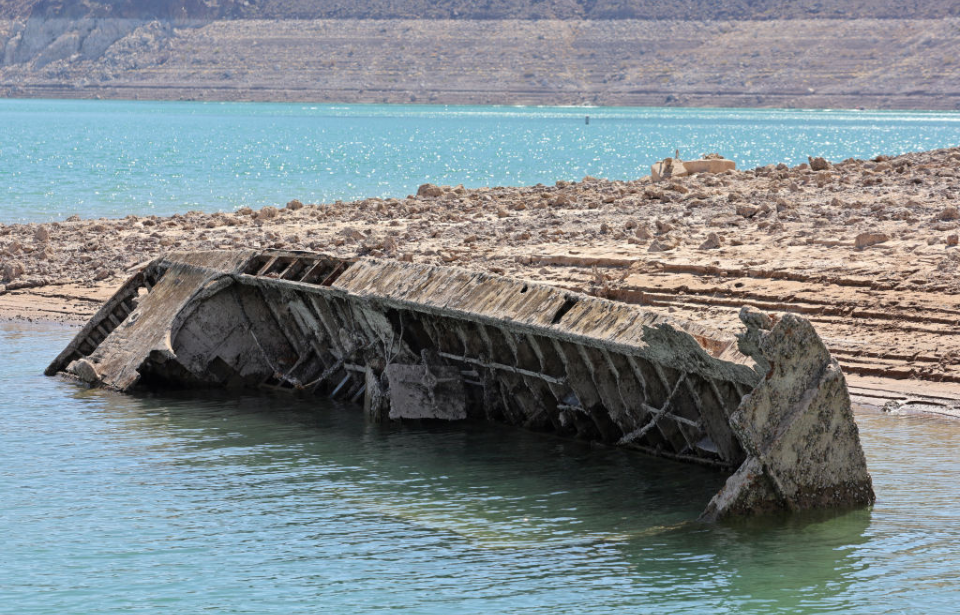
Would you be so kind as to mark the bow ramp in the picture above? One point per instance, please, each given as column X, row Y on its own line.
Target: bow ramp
column 412, row 341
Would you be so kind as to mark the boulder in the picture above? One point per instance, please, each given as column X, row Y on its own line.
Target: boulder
column 709, row 165
column 13, row 270
column 712, row 242
column 671, row 167
column 865, row 240
column 562, row 200
column 86, row 371
column 352, row 233
column 818, row 164
column 664, row 227
column 664, row 244
column 267, row 213
column 950, row 213
column 429, row 190
column 667, row 168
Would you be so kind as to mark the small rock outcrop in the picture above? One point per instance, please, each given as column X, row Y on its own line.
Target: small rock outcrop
column 865, row 240
column 12, row 270
column 818, row 164
column 950, row 213
column 712, row 242
column 674, row 167
column 429, row 190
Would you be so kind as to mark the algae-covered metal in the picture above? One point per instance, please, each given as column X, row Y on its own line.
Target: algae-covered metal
column 420, row 341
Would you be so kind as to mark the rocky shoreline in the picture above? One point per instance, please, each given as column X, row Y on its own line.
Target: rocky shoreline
column 866, row 249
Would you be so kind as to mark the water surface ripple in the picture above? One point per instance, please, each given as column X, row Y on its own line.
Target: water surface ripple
column 114, row 158
column 112, row 503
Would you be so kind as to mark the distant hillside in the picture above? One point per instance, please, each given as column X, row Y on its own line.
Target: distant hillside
column 684, row 10
column 890, row 54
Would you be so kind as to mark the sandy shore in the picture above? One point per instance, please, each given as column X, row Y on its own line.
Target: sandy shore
column 867, row 250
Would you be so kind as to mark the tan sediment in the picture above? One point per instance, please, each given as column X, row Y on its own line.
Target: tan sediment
column 787, row 242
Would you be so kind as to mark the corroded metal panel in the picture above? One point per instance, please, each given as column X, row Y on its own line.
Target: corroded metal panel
column 426, row 392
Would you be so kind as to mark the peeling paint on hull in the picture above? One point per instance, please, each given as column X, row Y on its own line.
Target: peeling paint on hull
column 419, row 341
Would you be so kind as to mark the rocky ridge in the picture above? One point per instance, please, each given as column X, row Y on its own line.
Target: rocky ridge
column 491, row 9
column 801, row 63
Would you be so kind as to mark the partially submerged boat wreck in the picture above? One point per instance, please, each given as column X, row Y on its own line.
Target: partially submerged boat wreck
column 414, row 341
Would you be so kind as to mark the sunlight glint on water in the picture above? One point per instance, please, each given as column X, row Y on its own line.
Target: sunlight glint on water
column 114, row 158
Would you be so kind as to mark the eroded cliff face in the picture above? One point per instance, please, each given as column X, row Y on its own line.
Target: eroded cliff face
column 489, row 9
column 37, row 42
column 39, row 33
column 775, row 63
column 144, row 10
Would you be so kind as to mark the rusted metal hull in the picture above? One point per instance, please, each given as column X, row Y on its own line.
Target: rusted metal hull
column 418, row 341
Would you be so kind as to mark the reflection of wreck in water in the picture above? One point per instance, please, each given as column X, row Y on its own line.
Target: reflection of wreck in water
column 418, row 341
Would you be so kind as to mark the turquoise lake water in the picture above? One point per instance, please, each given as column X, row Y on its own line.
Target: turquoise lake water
column 113, row 158
column 152, row 504
column 113, row 503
